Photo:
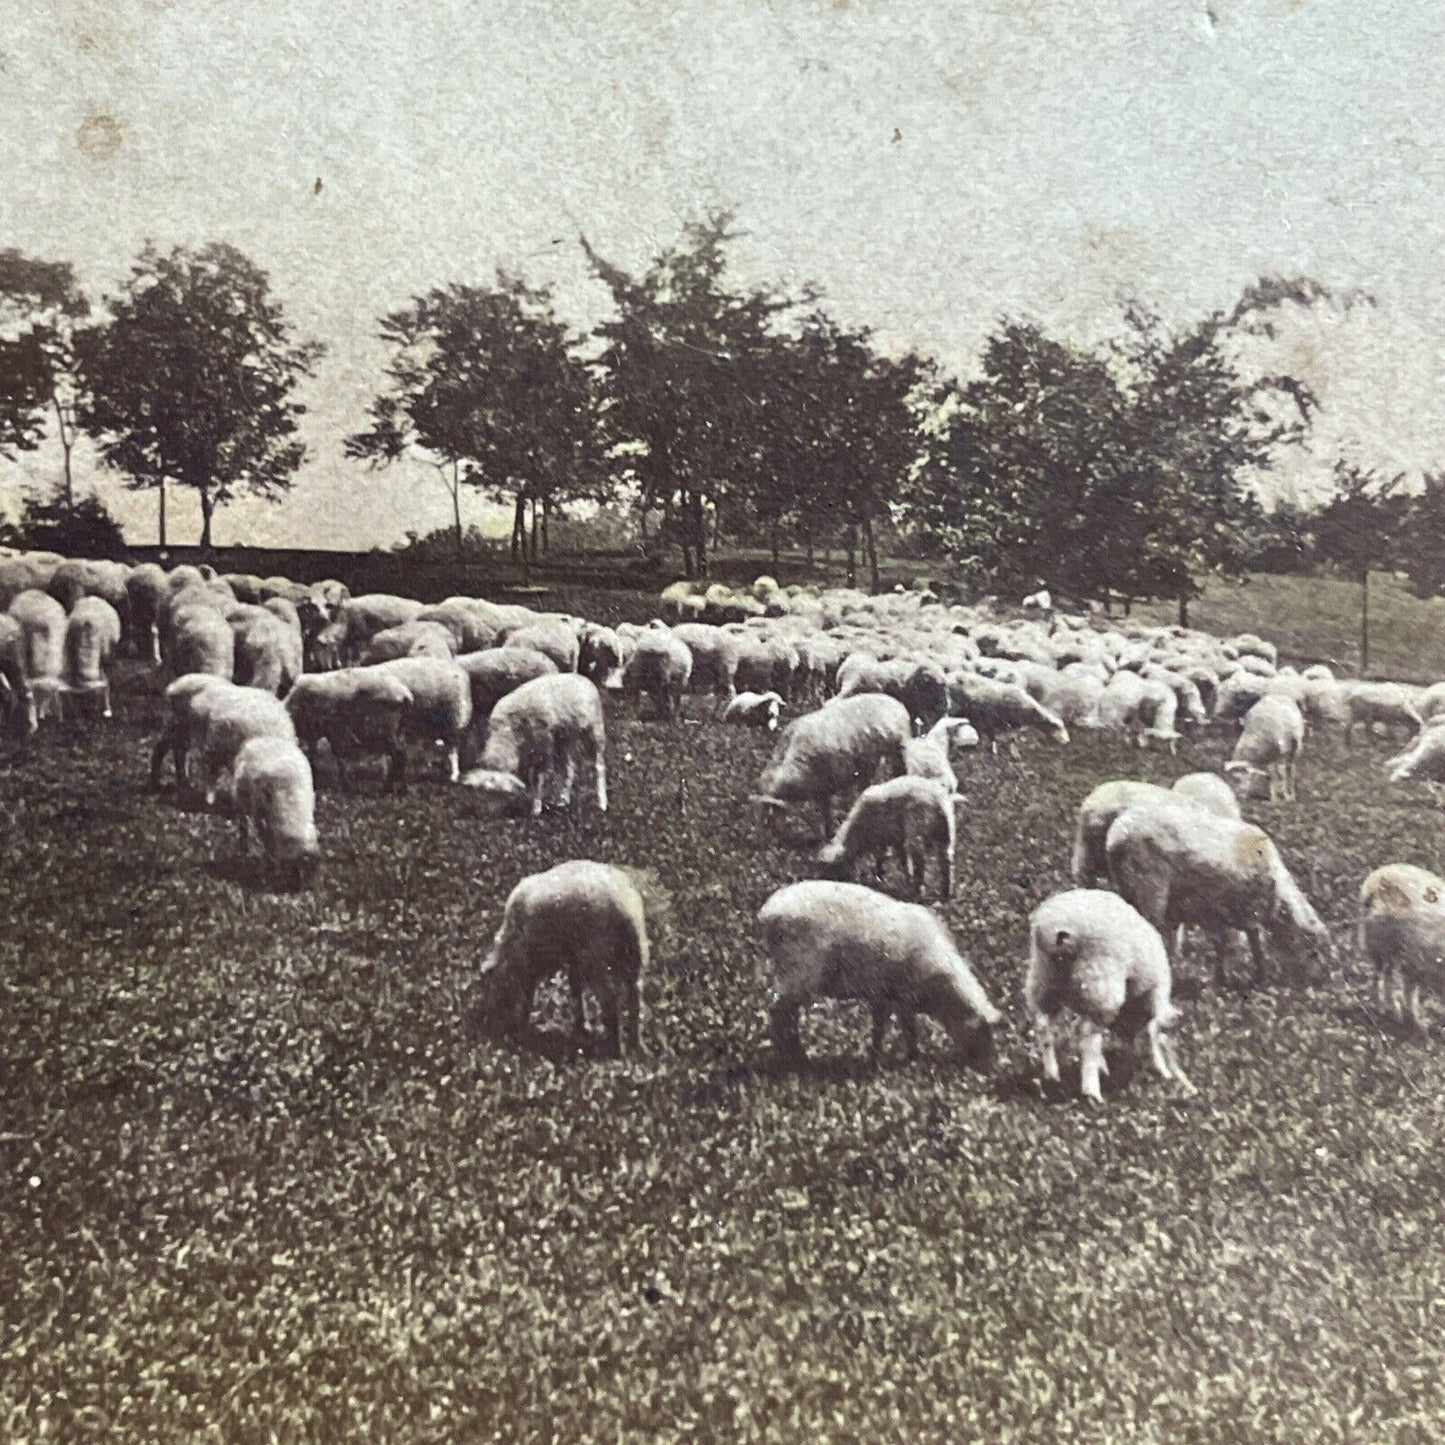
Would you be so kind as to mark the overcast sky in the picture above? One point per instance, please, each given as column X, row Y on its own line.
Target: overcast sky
column 932, row 164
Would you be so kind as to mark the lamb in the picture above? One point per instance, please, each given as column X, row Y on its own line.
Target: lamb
column 441, row 706
column 17, row 702
column 586, row 920
column 1090, row 863
column 92, row 636
column 267, row 652
column 827, row 939
column 661, row 667
column 1383, row 704
column 714, row 659
column 1267, row 752
column 754, row 710
column 998, row 708
column 229, row 720
column 909, row 816
column 1178, row 865
column 552, row 638
column 1402, row 934
column 544, row 726
column 186, row 701
column 274, row 792
column 410, row 639
column 1092, row 953
column 834, row 750
column 929, row 756
column 356, row 711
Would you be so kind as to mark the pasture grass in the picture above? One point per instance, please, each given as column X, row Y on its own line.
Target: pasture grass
column 264, row 1181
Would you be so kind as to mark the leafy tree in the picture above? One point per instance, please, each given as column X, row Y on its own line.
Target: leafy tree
column 191, row 379
column 688, row 367
column 1359, row 530
column 485, row 385
column 40, row 307
column 1421, row 538
column 76, row 529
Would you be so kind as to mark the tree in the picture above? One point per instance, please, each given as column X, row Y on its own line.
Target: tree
column 1421, row 538
column 486, row 386
column 40, row 307
column 191, row 379
column 687, row 368
column 1359, row 530
column 82, row 529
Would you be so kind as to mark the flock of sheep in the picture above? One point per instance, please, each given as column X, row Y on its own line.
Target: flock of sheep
column 887, row 692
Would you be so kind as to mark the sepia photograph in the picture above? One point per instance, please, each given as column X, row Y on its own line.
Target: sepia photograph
column 722, row 721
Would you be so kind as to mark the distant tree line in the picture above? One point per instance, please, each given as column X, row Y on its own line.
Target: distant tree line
column 722, row 413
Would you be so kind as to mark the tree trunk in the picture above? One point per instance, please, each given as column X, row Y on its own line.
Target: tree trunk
column 534, row 529
column 700, row 527
column 1364, row 621
column 208, row 507
column 67, row 445
column 163, row 540
column 642, row 528
column 776, row 546
column 519, row 527
column 1184, row 608
column 871, row 542
column 456, row 491
column 850, row 544
column 546, row 523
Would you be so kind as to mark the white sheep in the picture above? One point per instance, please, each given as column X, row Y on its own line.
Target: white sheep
column 199, row 639
column 357, row 711
column 186, row 701
column 549, row 636
column 836, row 749
column 145, row 589
column 659, row 666
column 441, row 706
column 911, row 817
column 267, row 651
column 586, row 920
column 997, row 708
column 754, row 710
column 714, row 658
column 356, row 621
column 828, row 939
column 496, row 671
column 1381, row 704
column 537, row 736
column 229, row 720
column 599, row 655
column 17, row 701
column 1178, row 865
column 931, row 756
column 1423, row 760
column 275, row 794
column 92, row 638
column 1094, row 954
column 1090, row 862
column 1402, row 934
column 42, row 620
column 1266, row 754
column 410, row 639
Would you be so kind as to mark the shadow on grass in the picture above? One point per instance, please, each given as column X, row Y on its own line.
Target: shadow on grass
column 252, row 873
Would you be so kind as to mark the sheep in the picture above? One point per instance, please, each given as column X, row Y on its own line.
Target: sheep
column 1092, row 953
column 929, row 756
column 766, row 664
column 599, row 655
column 357, row 621
column 17, row 701
column 42, row 620
column 145, row 589
column 834, row 750
column 1386, row 704
column 186, row 702
column 909, row 816
column 1267, row 751
column 357, row 711
column 1424, row 759
column 1402, row 934
column 1072, row 694
column 714, row 659
column 581, row 918
column 1178, row 865
column 1237, row 694
column 92, row 636
column 754, row 710
column 660, row 665
column 410, row 639
column 1090, row 863
column 267, row 652
column 541, row 727
column 472, row 627
column 827, row 939
column 920, row 686
column 1207, row 791
column 1246, row 644
column 441, row 707
column 201, row 640
column 229, row 720
column 275, row 794
column 998, row 708
column 551, row 637
column 496, row 671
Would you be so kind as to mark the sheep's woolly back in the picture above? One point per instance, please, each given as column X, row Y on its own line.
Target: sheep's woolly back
column 528, row 719
column 822, row 751
column 274, row 788
column 1401, row 888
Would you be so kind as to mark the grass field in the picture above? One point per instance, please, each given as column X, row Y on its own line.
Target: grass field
column 264, row 1183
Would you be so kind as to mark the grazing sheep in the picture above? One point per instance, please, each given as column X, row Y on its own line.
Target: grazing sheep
column 146, row 588
column 472, row 627
column 1247, row 644
column 599, row 655
column 496, row 671
column 754, row 710
column 827, row 939
column 42, row 620
column 1178, row 865
column 909, row 816
column 1402, row 934
column 1119, row 704
column 1383, row 704
column 836, row 749
column 200, row 640
column 930, row 755
column 1237, row 694
column 714, row 659
column 267, row 653
column 410, row 639
column 919, row 686
column 1267, row 752
column 17, row 702
column 766, row 664
column 186, row 701
column 554, row 639
column 586, row 920
column 1423, row 760
column 274, row 792
column 1092, row 953
column 999, row 708
column 358, row 712
column 357, row 621
column 441, row 707
column 1154, row 716
column 537, row 735
column 659, row 666
column 229, row 720
column 1207, row 791
column 92, row 636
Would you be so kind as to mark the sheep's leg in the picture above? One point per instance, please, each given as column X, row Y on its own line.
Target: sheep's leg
column 105, row 710
column 783, row 1027
column 164, row 744
column 1048, row 1054
column 454, row 760
column 569, row 776
column 611, row 1022
column 908, row 1023
column 1092, row 1065
column 599, row 761
column 881, row 1011
column 945, row 872
column 1221, row 959
column 1256, row 952
column 579, row 1009
column 243, row 834
column 1417, row 1010
column 1165, row 1058
column 632, row 1005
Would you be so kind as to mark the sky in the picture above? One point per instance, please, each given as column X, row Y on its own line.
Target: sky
column 933, row 165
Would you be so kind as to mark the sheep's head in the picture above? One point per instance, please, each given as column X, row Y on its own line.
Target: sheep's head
column 833, row 861
column 503, row 793
column 1300, row 935
column 972, row 1035
column 1060, row 734
column 962, row 733
column 1248, row 781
